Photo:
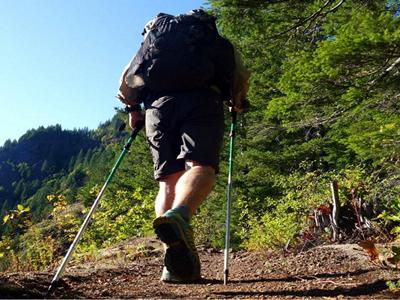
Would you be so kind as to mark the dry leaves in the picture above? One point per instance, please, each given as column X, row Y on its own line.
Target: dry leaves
column 370, row 247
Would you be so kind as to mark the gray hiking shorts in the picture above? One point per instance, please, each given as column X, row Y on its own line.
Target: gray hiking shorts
column 185, row 126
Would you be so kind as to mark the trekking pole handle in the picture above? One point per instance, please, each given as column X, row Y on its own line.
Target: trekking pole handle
column 233, row 122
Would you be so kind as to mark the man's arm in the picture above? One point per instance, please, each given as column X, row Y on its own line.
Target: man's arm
column 125, row 93
column 129, row 96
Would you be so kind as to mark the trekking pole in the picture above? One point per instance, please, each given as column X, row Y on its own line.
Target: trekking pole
column 229, row 194
column 85, row 223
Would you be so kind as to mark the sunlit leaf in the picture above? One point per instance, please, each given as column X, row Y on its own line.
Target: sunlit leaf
column 6, row 218
column 20, row 207
column 395, row 230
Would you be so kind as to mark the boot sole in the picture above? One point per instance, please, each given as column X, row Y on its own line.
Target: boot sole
column 178, row 257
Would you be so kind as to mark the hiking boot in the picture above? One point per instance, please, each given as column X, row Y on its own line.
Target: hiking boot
column 181, row 257
column 169, row 277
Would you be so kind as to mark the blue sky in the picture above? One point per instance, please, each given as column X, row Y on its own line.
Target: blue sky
column 60, row 60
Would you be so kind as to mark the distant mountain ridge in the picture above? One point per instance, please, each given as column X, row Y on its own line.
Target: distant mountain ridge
column 38, row 154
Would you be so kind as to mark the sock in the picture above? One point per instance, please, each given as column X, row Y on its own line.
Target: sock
column 184, row 211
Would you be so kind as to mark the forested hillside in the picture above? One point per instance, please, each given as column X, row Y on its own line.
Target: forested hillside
column 27, row 165
column 325, row 91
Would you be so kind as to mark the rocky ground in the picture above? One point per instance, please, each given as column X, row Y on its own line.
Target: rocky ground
column 132, row 270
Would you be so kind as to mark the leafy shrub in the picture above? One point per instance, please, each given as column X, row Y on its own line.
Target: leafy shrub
column 119, row 217
column 209, row 222
column 36, row 251
column 286, row 218
column 391, row 217
column 15, row 223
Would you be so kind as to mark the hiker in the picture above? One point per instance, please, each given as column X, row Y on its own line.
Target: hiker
column 182, row 74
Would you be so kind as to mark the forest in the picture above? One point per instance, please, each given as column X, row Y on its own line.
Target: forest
column 324, row 108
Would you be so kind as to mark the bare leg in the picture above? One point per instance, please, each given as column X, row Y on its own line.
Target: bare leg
column 188, row 187
column 184, row 192
column 194, row 186
column 166, row 193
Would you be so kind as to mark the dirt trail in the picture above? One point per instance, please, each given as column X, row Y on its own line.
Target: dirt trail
column 328, row 272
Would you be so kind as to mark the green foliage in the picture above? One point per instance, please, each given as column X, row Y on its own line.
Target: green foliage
column 17, row 220
column 391, row 216
column 32, row 167
column 324, row 106
column 286, row 216
column 209, row 222
column 15, row 223
column 66, row 218
column 393, row 285
column 324, row 100
column 395, row 259
column 274, row 230
column 35, row 247
column 122, row 216
column 36, row 251
column 8, row 259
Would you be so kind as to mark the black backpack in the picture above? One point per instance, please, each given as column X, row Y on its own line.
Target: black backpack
column 183, row 53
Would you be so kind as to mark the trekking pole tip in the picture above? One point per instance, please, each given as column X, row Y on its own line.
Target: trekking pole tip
column 226, row 273
column 50, row 289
